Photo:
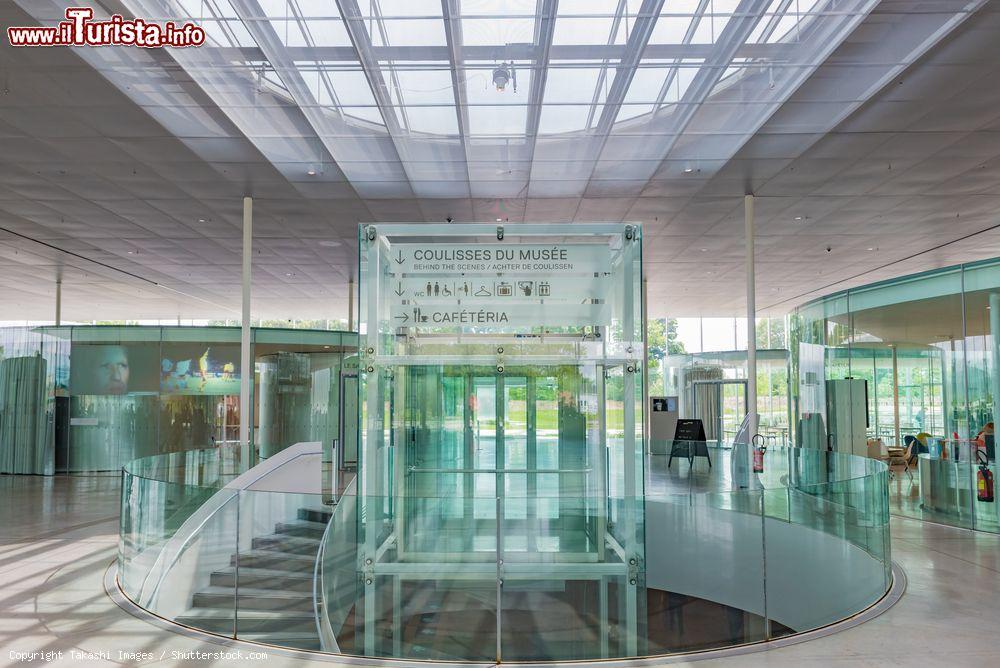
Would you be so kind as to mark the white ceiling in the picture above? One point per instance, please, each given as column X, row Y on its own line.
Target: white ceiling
column 135, row 198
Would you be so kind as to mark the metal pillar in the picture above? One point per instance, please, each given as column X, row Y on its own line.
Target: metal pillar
column 350, row 304
column 645, row 365
column 895, row 395
column 58, row 302
column 751, row 316
column 246, row 365
column 632, row 463
column 995, row 371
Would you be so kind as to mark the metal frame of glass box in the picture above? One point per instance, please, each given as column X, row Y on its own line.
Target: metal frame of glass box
column 526, row 501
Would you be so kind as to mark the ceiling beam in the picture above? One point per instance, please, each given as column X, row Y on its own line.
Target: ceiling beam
column 453, row 35
column 540, row 65
column 323, row 124
column 591, row 53
column 649, row 12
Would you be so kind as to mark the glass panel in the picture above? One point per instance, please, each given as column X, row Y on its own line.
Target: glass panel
column 203, row 550
column 922, row 349
column 280, row 532
column 705, row 586
column 920, row 388
column 113, row 386
column 827, row 537
column 982, row 340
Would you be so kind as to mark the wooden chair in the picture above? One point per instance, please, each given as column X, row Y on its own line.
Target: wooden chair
column 900, row 463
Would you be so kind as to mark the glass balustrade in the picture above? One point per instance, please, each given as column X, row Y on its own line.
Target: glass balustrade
column 731, row 556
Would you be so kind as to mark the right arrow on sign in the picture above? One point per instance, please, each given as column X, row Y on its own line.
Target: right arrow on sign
column 404, row 317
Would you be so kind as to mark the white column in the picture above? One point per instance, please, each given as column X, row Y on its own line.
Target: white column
column 58, row 302
column 246, row 364
column 751, row 317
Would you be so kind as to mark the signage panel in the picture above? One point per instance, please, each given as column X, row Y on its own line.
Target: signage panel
column 508, row 259
column 494, row 285
column 498, row 315
column 478, row 289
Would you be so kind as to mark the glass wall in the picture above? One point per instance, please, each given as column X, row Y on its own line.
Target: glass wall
column 91, row 398
column 713, row 385
column 905, row 371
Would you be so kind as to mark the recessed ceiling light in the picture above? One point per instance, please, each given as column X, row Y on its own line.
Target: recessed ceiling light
column 688, row 170
column 311, row 172
column 499, row 220
column 703, row 249
column 869, row 249
column 330, row 243
column 201, row 220
column 799, row 217
column 288, row 274
column 131, row 252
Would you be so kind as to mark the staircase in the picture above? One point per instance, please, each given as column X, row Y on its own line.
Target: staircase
column 275, row 603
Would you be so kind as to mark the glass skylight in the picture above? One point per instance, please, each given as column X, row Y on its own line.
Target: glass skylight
column 481, row 83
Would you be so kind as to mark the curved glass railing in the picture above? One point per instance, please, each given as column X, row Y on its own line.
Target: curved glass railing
column 513, row 565
column 712, row 556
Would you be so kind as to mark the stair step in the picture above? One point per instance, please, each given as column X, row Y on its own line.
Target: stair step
column 250, row 621
column 303, row 528
column 252, row 599
column 278, row 561
column 314, row 515
column 287, row 544
column 262, row 578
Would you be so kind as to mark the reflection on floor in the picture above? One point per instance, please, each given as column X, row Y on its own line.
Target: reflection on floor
column 58, row 535
column 679, row 623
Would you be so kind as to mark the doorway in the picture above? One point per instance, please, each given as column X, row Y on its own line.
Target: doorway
column 721, row 406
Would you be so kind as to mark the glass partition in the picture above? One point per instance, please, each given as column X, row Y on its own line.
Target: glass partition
column 921, row 352
column 88, row 399
column 34, row 400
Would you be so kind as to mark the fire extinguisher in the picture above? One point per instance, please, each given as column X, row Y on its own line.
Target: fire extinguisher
column 984, row 479
column 758, row 453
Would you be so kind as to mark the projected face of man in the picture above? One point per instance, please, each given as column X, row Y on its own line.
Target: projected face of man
column 112, row 370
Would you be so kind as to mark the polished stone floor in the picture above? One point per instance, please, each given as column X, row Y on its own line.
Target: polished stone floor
column 58, row 535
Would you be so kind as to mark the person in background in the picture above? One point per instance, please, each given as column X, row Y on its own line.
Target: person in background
column 987, row 430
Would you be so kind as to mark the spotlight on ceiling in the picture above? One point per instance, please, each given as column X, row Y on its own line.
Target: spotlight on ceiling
column 504, row 74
